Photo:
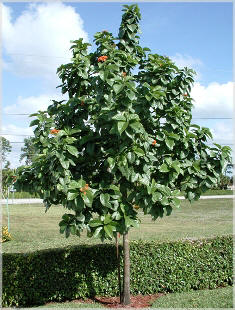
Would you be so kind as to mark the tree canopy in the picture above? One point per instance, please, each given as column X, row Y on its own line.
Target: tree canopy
column 123, row 140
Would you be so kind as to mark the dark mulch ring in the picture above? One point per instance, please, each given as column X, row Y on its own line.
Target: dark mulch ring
column 138, row 301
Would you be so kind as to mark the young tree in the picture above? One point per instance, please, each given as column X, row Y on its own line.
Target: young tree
column 28, row 151
column 122, row 141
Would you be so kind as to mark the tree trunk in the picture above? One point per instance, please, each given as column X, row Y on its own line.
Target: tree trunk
column 126, row 277
column 119, row 275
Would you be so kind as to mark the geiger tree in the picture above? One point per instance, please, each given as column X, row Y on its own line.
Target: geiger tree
column 123, row 140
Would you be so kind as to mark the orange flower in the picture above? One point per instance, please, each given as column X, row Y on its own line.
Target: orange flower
column 185, row 95
column 84, row 189
column 102, row 58
column 136, row 207
column 54, row 131
column 124, row 73
column 154, row 142
column 82, row 103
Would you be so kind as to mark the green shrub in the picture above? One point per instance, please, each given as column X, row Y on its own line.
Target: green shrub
column 86, row 271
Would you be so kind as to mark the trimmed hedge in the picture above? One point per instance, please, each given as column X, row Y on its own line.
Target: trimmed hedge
column 85, row 271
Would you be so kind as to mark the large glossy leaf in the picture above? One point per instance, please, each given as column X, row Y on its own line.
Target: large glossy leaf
column 170, row 143
column 117, row 88
column 104, row 199
column 95, row 223
column 109, row 231
column 164, row 168
column 72, row 195
column 72, row 150
column 121, row 126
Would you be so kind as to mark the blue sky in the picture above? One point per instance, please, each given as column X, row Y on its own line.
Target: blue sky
column 196, row 34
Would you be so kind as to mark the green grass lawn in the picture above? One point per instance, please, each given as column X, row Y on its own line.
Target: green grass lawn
column 215, row 192
column 217, row 298
column 33, row 229
column 72, row 304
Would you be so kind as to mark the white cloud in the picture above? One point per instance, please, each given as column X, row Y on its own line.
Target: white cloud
column 215, row 100
column 44, row 31
column 188, row 61
column 222, row 132
column 15, row 133
column 32, row 104
column 17, row 128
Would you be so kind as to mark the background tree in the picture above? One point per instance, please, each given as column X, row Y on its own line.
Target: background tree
column 6, row 171
column 123, row 141
column 28, row 151
column 5, row 149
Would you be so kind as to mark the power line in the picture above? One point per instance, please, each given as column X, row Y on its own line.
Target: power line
column 12, row 134
column 15, row 114
column 44, row 56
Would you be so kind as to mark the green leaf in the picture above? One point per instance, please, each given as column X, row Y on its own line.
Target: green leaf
column 97, row 231
column 144, row 179
column 104, row 199
column 190, row 196
column 95, row 223
column 176, row 166
column 34, row 123
column 156, row 197
column 117, row 88
column 73, row 185
column 130, row 157
column 164, row 168
column 170, row 143
column 111, row 162
column 88, row 199
column 72, row 150
column 119, row 117
column 131, row 95
column 73, row 230
column 107, row 219
column 64, row 164
column 72, row 195
column 168, row 210
column 90, row 148
column 114, row 187
column 139, row 151
column 121, row 126
column 109, row 231
column 176, row 202
column 134, row 176
column 136, row 126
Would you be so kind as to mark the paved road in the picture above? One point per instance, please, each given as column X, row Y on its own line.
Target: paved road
column 36, row 200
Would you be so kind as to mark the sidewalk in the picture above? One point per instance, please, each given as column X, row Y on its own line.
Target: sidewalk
column 36, row 200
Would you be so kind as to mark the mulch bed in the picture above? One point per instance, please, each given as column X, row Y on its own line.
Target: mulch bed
column 138, row 301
